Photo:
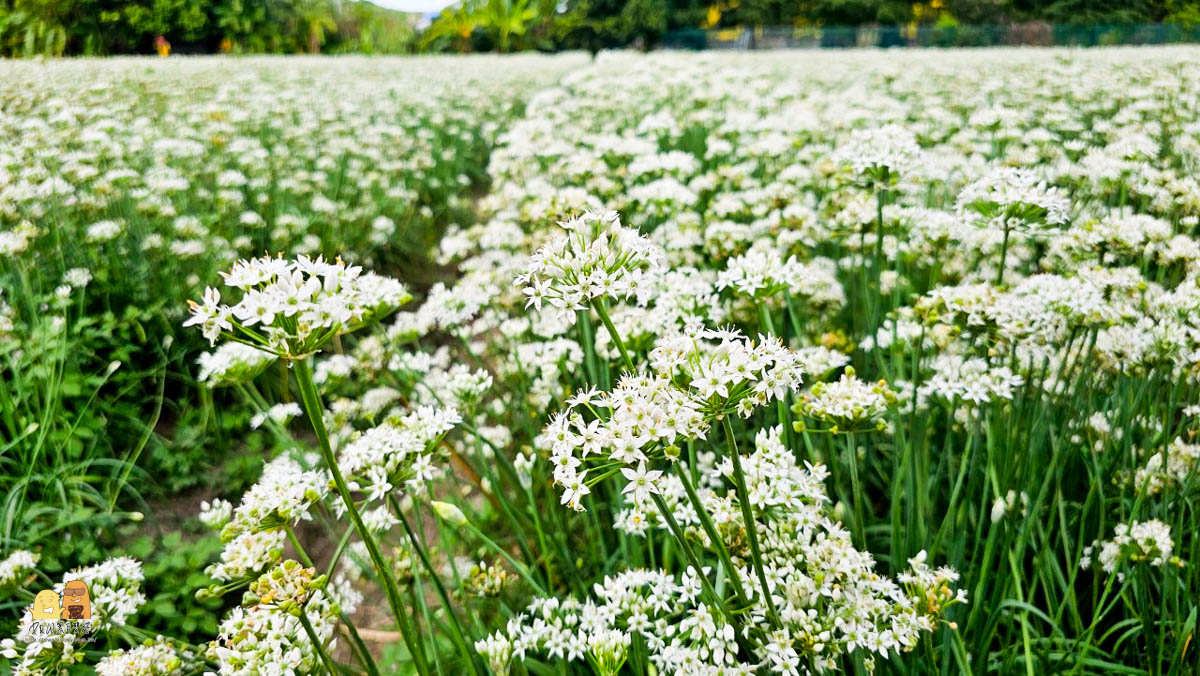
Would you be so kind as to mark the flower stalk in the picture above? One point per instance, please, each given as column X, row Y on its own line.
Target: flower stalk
column 315, row 411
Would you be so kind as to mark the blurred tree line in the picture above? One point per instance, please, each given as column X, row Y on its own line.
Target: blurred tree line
column 55, row 27
column 95, row 27
column 482, row 25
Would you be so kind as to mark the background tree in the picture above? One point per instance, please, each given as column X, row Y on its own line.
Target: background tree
column 93, row 27
column 453, row 28
column 504, row 19
column 369, row 29
column 316, row 17
column 252, row 25
column 33, row 27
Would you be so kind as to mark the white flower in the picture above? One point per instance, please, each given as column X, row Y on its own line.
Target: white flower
column 880, row 154
column 595, row 259
column 292, row 308
column 216, row 514
column 103, row 231
column 1141, row 542
column 279, row 414
column 848, row 403
column 16, row 566
column 1015, row 197
column 232, row 363
column 641, row 482
column 160, row 658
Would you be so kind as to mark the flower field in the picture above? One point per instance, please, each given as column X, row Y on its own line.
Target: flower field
column 784, row 363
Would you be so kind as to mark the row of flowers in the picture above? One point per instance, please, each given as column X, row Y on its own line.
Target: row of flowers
column 818, row 344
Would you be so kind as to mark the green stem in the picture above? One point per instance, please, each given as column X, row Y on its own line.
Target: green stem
column 300, row 552
column 739, row 479
column 860, row 525
column 711, row 530
column 1003, row 256
column 455, row 625
column 693, row 561
column 588, row 341
column 880, row 199
column 612, row 331
column 517, row 565
column 316, row 642
column 359, row 648
column 315, row 410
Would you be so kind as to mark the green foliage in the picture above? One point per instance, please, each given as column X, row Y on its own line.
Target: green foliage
column 102, row 418
column 94, row 27
column 502, row 25
column 59, row 430
column 482, row 25
column 368, row 29
column 174, row 568
column 32, row 29
column 1186, row 14
column 251, row 25
column 452, row 29
column 159, row 17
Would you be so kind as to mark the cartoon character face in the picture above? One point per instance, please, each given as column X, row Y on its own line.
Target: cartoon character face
column 45, row 605
column 77, row 605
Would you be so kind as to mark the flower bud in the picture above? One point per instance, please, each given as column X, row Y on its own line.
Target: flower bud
column 999, row 507
column 449, row 513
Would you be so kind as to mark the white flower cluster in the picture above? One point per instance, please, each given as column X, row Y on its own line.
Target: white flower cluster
column 694, row 380
column 115, row 586
column 253, row 533
column 597, row 258
column 1016, row 197
column 154, row 658
column 880, row 154
column 1140, row 542
column 969, row 380
column 820, row 361
column 265, row 638
column 439, row 380
column 115, row 590
column 848, row 404
column 215, row 514
column 830, row 600
column 765, row 274
column 247, row 553
column 42, row 658
column 16, row 566
column 278, row 414
column 644, row 413
column 1172, row 466
column 397, row 452
column 727, row 371
column 232, row 363
column 281, row 496
column 292, row 308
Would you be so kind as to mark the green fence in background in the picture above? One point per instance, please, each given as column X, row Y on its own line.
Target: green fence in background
column 1033, row 33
